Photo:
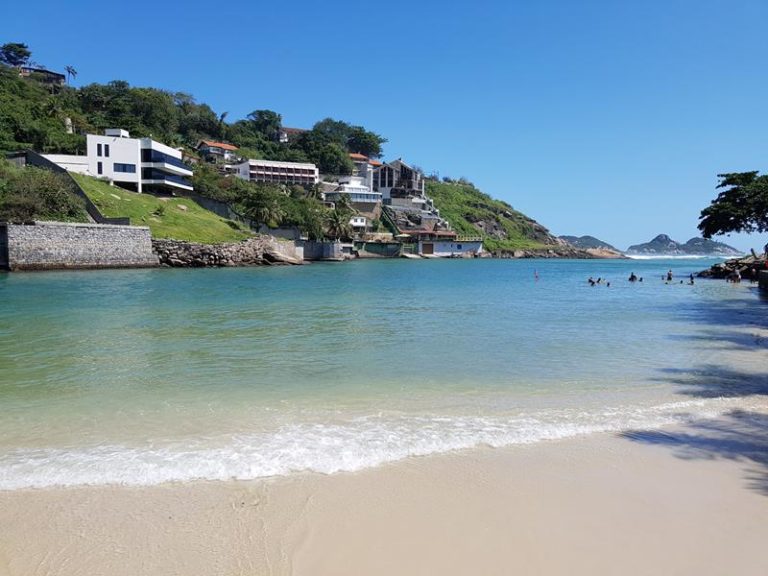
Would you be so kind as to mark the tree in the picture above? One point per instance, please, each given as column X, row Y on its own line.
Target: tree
column 15, row 54
column 364, row 142
column 267, row 123
column 337, row 225
column 71, row 72
column 262, row 204
column 742, row 207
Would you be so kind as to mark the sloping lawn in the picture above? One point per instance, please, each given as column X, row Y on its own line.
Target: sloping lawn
column 177, row 218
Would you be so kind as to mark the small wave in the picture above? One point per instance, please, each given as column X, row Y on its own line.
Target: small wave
column 356, row 444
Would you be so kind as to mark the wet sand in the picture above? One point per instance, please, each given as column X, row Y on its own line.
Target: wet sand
column 693, row 500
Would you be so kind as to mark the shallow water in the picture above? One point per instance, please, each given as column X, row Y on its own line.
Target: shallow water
column 146, row 376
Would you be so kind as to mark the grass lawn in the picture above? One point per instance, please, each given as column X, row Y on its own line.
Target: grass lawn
column 177, row 218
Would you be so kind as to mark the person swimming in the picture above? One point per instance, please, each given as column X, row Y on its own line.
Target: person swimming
column 632, row 277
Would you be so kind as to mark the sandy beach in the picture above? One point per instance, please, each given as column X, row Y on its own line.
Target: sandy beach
column 690, row 500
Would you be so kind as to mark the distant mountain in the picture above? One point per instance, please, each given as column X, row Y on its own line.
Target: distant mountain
column 587, row 242
column 663, row 245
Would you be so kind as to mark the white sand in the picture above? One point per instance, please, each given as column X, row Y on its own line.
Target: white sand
column 591, row 505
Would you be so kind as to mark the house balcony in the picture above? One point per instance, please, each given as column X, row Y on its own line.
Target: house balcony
column 155, row 177
column 158, row 160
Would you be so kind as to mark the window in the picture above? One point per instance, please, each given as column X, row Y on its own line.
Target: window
column 98, row 151
column 99, row 169
column 106, row 150
column 128, row 168
column 458, row 246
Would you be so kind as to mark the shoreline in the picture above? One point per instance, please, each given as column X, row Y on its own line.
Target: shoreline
column 643, row 502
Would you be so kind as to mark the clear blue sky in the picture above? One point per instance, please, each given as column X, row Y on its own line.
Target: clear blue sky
column 607, row 118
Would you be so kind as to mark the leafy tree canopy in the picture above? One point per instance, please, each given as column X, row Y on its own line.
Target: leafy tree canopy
column 267, row 123
column 352, row 138
column 15, row 54
column 741, row 207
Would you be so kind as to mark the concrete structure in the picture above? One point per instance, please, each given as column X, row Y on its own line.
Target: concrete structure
column 54, row 245
column 139, row 164
column 272, row 171
column 358, row 186
column 218, row 152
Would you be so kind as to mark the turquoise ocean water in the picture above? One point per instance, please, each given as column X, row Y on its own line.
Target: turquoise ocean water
column 146, row 376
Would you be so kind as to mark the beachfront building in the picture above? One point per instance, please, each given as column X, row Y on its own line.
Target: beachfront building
column 217, row 152
column 139, row 164
column 444, row 243
column 272, row 171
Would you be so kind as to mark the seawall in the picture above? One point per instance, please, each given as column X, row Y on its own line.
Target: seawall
column 57, row 245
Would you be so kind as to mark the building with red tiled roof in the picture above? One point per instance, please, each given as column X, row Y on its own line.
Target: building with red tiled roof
column 213, row 151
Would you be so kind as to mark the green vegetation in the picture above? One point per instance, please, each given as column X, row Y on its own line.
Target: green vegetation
column 36, row 115
column 40, row 116
column 177, row 218
column 742, row 207
column 28, row 194
column 473, row 213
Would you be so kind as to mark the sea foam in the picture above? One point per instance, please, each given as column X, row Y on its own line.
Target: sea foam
column 358, row 443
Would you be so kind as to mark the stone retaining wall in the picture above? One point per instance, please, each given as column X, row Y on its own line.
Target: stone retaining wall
column 261, row 250
column 56, row 245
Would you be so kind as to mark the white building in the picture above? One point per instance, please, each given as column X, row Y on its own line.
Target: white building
column 139, row 164
column 359, row 223
column 358, row 187
column 303, row 174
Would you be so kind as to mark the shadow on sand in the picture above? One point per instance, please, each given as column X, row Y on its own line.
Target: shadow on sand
column 738, row 435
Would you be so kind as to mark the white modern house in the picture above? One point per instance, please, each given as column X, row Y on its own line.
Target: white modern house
column 358, row 186
column 139, row 164
column 303, row 174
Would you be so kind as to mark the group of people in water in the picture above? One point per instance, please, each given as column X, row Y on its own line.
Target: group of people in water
column 668, row 278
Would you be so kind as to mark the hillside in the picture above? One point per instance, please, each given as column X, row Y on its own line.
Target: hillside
column 176, row 218
column 663, row 245
column 474, row 213
column 588, row 242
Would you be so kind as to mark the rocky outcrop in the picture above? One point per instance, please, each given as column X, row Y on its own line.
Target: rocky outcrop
column 589, row 243
column 663, row 245
column 560, row 249
column 261, row 250
column 748, row 268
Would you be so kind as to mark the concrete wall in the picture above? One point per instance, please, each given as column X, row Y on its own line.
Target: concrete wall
column 322, row 251
column 378, row 249
column 55, row 245
column 3, row 246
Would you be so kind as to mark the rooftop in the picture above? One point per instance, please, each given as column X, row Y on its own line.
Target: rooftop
column 222, row 145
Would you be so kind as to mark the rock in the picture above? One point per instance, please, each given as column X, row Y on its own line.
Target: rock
column 257, row 251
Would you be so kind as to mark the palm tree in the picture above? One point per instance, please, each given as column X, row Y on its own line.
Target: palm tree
column 337, row 225
column 344, row 205
column 71, row 72
column 222, row 124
